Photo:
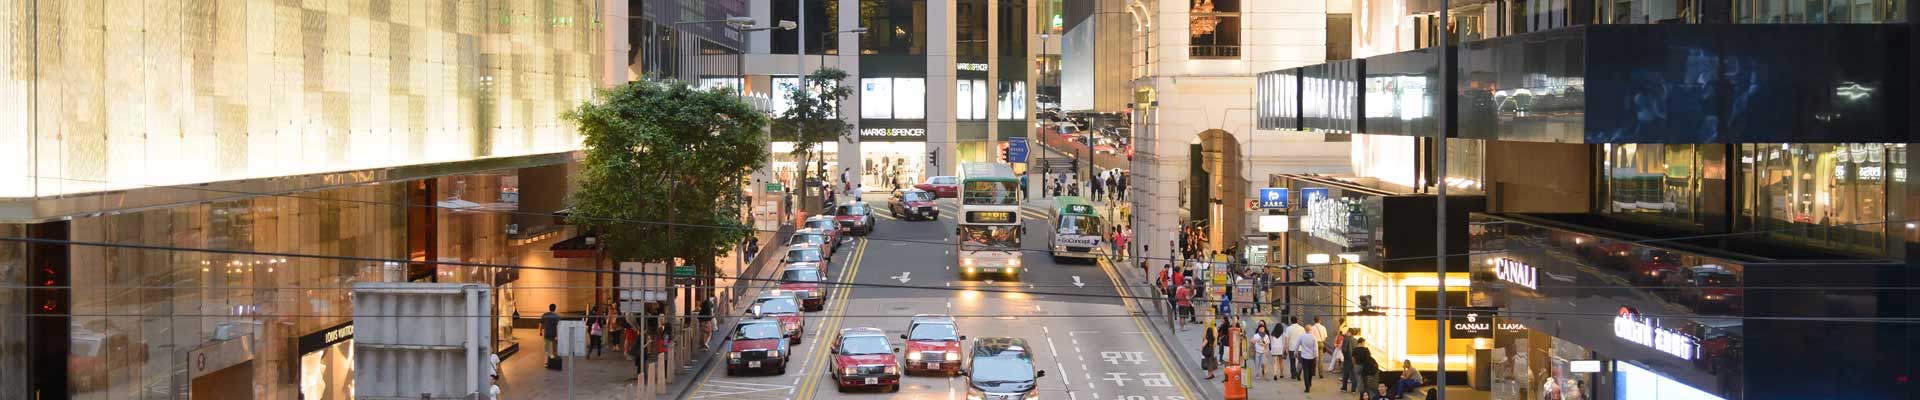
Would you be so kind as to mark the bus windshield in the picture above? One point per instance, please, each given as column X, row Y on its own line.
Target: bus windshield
column 990, row 237
column 989, row 192
column 1080, row 225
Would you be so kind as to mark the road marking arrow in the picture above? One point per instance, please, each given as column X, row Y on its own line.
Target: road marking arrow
column 1077, row 283
column 903, row 278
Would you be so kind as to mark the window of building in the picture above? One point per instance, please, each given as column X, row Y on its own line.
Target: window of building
column 1013, row 100
column 876, row 98
column 785, row 41
column 893, row 98
column 970, row 101
column 909, row 98
column 970, row 29
column 1013, row 30
column 1213, row 29
column 1659, row 182
column 894, row 27
column 1819, row 11
column 823, row 20
column 1830, row 196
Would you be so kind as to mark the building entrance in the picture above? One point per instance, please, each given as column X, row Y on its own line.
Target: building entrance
column 892, row 165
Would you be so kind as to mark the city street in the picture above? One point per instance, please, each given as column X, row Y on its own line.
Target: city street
column 1090, row 347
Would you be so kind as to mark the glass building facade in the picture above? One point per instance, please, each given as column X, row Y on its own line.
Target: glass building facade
column 108, row 95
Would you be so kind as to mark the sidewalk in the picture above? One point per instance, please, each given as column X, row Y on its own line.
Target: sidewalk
column 762, row 267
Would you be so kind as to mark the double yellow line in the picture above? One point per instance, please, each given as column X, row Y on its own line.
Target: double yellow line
column 1160, row 349
column 818, row 360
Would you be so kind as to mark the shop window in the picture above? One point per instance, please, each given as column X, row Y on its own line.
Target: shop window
column 1213, row 29
column 893, row 98
column 1830, row 196
column 1819, row 11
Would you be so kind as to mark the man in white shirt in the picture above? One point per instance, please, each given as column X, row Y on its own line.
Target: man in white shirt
column 1306, row 349
column 1293, row 333
column 1319, row 333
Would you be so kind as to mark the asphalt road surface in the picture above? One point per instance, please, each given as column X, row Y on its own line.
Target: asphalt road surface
column 1091, row 347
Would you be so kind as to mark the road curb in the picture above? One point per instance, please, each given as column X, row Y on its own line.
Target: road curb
column 701, row 368
column 1169, row 341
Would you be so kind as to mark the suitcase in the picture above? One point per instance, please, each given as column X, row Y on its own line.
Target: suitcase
column 553, row 363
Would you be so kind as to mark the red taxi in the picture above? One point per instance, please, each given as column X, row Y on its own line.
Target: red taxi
column 945, row 187
column 757, row 345
column 803, row 279
column 933, row 345
column 863, row 358
column 781, row 305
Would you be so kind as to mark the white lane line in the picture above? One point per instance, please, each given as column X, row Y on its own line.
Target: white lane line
column 1043, row 329
column 1063, row 374
column 1073, row 333
column 1072, row 396
column 796, row 381
column 1075, row 341
column 1096, row 395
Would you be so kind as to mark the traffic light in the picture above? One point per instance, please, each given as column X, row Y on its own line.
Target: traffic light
column 1005, row 153
column 933, row 158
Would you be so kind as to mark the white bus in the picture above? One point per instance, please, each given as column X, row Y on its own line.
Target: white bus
column 987, row 240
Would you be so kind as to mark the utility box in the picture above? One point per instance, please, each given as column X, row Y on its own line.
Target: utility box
column 421, row 340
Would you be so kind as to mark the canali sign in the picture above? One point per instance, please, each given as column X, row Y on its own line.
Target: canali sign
column 1516, row 272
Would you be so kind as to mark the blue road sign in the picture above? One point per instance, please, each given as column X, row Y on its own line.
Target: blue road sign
column 1017, row 149
column 1308, row 195
column 1273, row 198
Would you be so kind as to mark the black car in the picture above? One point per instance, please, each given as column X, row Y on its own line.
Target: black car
column 912, row 204
column 1001, row 368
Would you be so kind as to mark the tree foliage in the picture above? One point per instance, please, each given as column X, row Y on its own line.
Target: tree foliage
column 663, row 151
column 814, row 118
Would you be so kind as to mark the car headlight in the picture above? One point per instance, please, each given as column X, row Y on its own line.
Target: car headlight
column 1033, row 394
column 893, row 369
column 850, row 371
column 967, row 261
column 734, row 355
column 1013, row 262
column 773, row 354
column 953, row 356
column 1059, row 247
column 913, row 356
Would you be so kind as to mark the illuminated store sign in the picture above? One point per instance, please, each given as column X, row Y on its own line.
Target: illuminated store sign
column 1481, row 325
column 892, row 133
column 1630, row 327
column 972, row 67
column 1516, row 272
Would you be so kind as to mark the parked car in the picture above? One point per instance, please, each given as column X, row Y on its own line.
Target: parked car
column 933, row 345
column 757, row 345
column 814, row 237
column 783, row 307
column 912, row 204
column 863, row 358
column 804, row 254
column 826, row 225
column 945, row 186
column 804, row 279
column 856, row 217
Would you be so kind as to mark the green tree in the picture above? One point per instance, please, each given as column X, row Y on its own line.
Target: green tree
column 813, row 119
column 665, row 152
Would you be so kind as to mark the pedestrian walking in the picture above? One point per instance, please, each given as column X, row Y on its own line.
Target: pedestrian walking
column 1291, row 336
column 1259, row 342
column 1306, row 349
column 1207, row 348
column 1347, row 344
column 1225, row 340
column 1277, row 347
column 753, row 247
column 1319, row 333
column 706, row 322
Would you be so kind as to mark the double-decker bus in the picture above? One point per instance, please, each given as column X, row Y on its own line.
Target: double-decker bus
column 988, row 236
column 1076, row 229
